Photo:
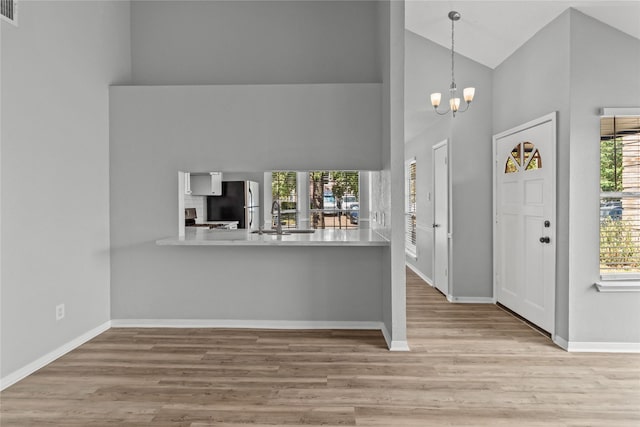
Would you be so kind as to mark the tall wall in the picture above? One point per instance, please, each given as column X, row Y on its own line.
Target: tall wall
column 56, row 69
column 469, row 136
column 254, row 42
column 281, row 48
column 596, row 83
column 423, row 129
column 534, row 81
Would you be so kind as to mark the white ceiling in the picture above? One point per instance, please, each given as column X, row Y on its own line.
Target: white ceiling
column 490, row 31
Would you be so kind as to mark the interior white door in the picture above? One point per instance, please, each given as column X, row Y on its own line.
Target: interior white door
column 524, row 234
column 440, row 218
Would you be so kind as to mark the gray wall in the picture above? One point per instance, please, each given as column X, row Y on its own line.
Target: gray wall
column 469, row 135
column 532, row 82
column 388, row 184
column 56, row 69
column 249, row 42
column 595, row 83
column 157, row 131
column 423, row 129
column 566, row 68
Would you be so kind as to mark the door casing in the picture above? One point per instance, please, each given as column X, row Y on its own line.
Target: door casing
column 443, row 222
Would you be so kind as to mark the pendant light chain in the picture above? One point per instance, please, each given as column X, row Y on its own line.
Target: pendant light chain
column 453, row 80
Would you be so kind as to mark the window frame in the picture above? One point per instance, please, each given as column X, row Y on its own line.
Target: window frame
column 411, row 223
column 334, row 211
column 14, row 20
column 605, row 276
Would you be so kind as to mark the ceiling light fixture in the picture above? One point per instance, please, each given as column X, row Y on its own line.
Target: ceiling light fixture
column 468, row 92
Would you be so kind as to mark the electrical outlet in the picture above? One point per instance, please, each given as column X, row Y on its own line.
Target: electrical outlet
column 59, row 311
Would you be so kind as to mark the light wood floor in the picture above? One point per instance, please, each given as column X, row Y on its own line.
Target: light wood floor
column 470, row 365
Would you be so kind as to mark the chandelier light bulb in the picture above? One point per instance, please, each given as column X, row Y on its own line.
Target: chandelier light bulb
column 468, row 94
column 435, row 99
column 454, row 104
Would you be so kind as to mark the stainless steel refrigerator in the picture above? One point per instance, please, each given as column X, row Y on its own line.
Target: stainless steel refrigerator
column 240, row 201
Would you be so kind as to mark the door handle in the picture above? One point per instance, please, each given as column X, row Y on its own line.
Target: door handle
column 434, row 225
column 545, row 239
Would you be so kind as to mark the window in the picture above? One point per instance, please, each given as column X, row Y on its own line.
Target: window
column 334, row 199
column 284, row 190
column 9, row 11
column 620, row 197
column 411, row 208
column 524, row 156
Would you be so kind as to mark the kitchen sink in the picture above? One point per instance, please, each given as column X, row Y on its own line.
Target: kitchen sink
column 285, row 231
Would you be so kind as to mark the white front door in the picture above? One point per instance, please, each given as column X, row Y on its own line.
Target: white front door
column 440, row 218
column 524, row 232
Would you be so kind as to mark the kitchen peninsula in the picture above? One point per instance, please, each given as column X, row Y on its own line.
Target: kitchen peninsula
column 206, row 237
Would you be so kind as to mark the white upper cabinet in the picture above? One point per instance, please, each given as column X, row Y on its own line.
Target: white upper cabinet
column 209, row 184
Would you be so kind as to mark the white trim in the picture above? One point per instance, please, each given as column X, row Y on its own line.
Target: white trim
column 470, row 300
column 399, row 346
column 420, row 274
column 603, row 347
column 449, row 184
column 561, row 342
column 386, row 334
column 618, row 286
column 243, row 324
column 41, row 362
column 597, row 347
column 610, row 112
column 391, row 344
column 410, row 255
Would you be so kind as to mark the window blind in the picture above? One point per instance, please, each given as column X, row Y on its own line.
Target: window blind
column 411, row 207
column 8, row 10
column 620, row 196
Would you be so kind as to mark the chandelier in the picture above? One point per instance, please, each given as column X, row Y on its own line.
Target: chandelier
column 468, row 92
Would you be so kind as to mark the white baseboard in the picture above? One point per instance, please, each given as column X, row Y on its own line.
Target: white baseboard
column 399, row 346
column 29, row 369
column 561, row 342
column 243, row 324
column 391, row 344
column 604, row 347
column 471, row 300
column 597, row 347
column 420, row 274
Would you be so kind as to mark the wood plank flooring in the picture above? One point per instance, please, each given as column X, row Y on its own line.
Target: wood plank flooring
column 470, row 365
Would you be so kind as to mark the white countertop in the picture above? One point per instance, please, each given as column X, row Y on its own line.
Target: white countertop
column 195, row 236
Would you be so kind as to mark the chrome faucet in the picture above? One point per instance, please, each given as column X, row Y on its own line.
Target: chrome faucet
column 276, row 205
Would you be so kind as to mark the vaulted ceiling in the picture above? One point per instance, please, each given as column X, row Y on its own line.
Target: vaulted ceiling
column 490, row 31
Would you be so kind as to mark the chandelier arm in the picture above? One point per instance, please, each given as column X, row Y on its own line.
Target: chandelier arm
column 466, row 107
column 443, row 113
